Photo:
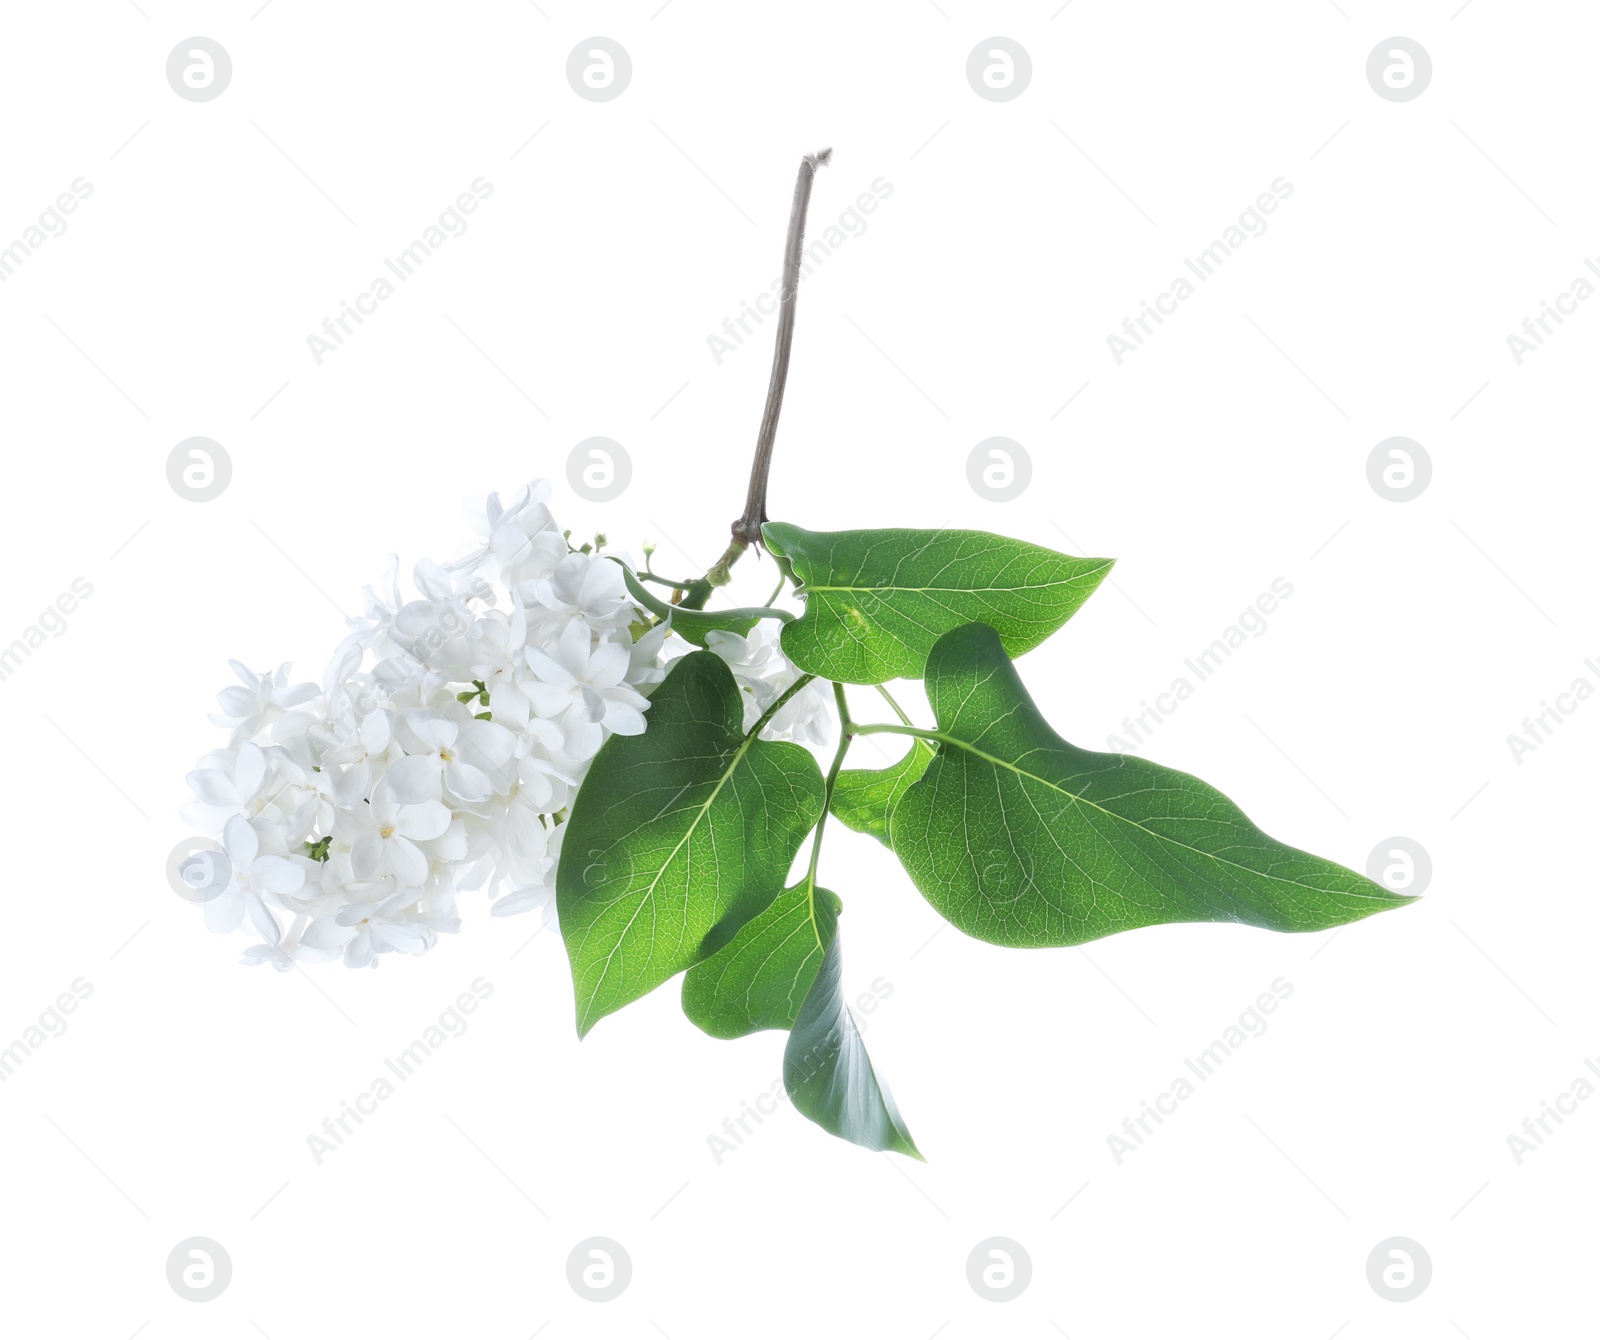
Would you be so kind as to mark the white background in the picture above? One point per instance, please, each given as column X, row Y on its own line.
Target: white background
column 1229, row 451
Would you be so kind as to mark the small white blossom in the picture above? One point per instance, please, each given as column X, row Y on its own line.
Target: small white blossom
column 264, row 702
column 254, row 875
column 362, row 931
column 383, row 836
column 229, row 780
column 763, row 674
column 576, row 673
column 466, row 759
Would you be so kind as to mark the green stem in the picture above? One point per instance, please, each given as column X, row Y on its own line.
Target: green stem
column 889, row 728
column 889, row 698
column 662, row 610
column 662, row 581
column 778, row 589
column 845, row 732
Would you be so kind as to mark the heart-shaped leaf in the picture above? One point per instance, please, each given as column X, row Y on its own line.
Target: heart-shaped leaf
column 677, row 837
column 877, row 600
column 1019, row 838
column 830, row 1077
column 760, row 977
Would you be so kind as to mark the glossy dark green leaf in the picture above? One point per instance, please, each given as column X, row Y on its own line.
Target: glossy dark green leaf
column 864, row 798
column 1020, row 838
column 877, row 600
column 759, row 979
column 678, row 836
column 830, row 1077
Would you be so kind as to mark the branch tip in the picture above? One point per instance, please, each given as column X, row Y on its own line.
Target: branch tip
column 745, row 532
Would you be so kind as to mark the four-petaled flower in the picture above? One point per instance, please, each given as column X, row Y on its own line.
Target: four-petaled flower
column 253, row 876
column 468, row 758
column 383, row 836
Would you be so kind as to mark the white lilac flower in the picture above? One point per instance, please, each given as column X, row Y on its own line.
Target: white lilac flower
column 467, row 759
column 576, row 673
column 585, row 587
column 227, row 781
column 383, row 835
column 445, row 745
column 807, row 717
column 362, row 931
column 763, row 674
column 357, row 761
column 263, row 701
column 256, row 955
column 253, row 875
column 523, row 535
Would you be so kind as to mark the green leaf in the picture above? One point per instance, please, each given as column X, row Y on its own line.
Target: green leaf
column 677, row 837
column 693, row 625
column 877, row 600
column 782, row 970
column 760, row 977
column 864, row 798
column 1019, row 838
column 830, row 1077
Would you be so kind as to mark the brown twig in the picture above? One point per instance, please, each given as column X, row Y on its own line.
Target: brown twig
column 747, row 528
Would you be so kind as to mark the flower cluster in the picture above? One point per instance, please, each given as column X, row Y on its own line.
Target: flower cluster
column 443, row 748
